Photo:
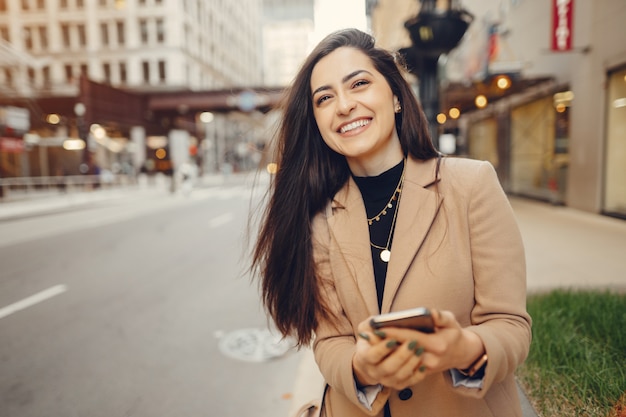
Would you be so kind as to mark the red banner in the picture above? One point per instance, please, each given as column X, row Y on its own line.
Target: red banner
column 11, row 145
column 561, row 31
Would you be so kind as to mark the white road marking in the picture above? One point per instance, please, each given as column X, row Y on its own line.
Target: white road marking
column 32, row 300
column 220, row 220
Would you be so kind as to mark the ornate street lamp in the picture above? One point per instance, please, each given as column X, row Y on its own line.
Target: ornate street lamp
column 435, row 31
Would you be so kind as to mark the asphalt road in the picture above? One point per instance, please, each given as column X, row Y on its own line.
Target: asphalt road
column 137, row 305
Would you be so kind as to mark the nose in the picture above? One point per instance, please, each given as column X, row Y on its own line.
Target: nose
column 345, row 104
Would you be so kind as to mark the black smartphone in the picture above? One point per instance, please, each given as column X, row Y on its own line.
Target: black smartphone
column 415, row 318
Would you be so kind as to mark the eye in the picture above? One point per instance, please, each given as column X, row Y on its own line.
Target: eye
column 359, row 83
column 322, row 99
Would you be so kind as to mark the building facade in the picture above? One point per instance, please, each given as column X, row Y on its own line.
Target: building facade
column 287, row 29
column 562, row 137
column 133, row 46
column 138, row 44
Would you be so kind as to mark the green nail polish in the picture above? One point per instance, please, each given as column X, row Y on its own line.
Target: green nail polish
column 380, row 334
column 392, row 343
column 422, row 368
column 364, row 336
column 419, row 351
column 412, row 345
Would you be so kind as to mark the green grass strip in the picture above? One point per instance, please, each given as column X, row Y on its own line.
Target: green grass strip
column 577, row 361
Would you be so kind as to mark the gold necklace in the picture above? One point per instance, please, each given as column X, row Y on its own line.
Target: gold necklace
column 385, row 254
column 389, row 204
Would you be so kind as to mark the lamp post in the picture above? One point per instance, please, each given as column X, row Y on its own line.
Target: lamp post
column 435, row 31
column 207, row 118
column 79, row 111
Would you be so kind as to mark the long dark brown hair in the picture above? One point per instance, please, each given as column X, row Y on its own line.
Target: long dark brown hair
column 309, row 174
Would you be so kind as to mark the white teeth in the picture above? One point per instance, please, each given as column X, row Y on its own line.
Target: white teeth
column 354, row 125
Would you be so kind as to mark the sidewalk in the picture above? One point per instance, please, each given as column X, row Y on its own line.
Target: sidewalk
column 48, row 201
column 565, row 248
column 19, row 205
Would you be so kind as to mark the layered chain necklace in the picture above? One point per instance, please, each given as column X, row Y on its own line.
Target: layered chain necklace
column 385, row 251
column 389, row 205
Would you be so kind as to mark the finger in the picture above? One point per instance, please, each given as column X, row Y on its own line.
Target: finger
column 444, row 318
column 399, row 363
column 410, row 358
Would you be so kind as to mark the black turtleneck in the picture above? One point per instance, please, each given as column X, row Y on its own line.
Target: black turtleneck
column 376, row 192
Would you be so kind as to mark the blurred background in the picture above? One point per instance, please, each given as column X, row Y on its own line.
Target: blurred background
column 135, row 144
column 120, row 87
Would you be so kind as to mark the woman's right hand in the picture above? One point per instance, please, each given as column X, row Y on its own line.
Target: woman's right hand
column 391, row 362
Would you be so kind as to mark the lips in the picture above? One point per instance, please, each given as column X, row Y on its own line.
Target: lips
column 354, row 125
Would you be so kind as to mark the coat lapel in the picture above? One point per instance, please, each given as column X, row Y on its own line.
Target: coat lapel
column 352, row 255
column 417, row 211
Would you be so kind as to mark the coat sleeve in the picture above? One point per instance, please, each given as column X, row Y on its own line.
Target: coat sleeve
column 334, row 343
column 499, row 314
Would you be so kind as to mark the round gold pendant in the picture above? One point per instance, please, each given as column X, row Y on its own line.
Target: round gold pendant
column 385, row 255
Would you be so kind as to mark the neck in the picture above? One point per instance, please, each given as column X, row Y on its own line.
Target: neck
column 372, row 168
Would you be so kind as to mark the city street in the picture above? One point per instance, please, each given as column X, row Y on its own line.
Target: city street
column 137, row 305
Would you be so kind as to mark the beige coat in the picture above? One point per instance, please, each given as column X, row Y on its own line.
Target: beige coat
column 456, row 247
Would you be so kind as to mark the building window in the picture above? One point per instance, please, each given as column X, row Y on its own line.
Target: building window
column 31, row 76
column 160, row 31
column 120, row 33
column 43, row 37
column 104, row 34
column 123, row 75
column 46, row 75
column 3, row 5
column 28, row 38
column 80, row 4
column 84, row 70
column 68, row 73
column 107, row 72
column 41, row 4
column 8, row 77
column 82, row 36
column 145, row 66
column 143, row 30
column 25, row 5
column 162, row 71
column 4, row 32
column 63, row 4
column 65, row 34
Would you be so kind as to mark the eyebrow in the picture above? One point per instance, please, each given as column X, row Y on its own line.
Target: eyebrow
column 343, row 80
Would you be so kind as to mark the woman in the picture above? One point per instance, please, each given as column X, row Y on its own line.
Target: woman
column 358, row 172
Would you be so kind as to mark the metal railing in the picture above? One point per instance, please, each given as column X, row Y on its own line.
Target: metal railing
column 17, row 187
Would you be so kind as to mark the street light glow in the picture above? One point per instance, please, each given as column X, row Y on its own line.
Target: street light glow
column 480, row 101
column 206, row 117
column 53, row 119
column 503, row 82
column 74, row 144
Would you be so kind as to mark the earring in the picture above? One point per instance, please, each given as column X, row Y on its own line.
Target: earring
column 398, row 108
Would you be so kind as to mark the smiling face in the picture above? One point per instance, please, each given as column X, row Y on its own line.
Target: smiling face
column 354, row 108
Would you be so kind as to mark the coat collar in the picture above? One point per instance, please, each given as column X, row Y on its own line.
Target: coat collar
column 348, row 225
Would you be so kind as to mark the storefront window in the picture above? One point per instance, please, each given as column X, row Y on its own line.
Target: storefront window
column 539, row 149
column 615, row 166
